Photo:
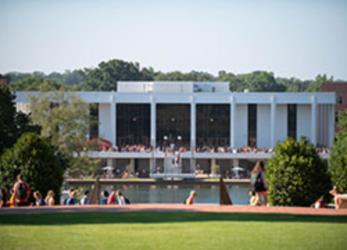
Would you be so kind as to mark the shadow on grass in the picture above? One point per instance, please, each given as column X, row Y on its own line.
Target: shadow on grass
column 162, row 217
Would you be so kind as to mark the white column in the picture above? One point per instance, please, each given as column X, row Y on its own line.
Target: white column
column 113, row 120
column 313, row 120
column 273, row 122
column 232, row 123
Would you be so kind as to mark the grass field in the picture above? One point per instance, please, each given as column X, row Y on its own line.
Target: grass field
column 174, row 230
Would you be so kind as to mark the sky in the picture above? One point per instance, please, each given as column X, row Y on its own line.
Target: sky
column 291, row 38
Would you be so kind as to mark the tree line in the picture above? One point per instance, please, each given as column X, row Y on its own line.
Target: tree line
column 106, row 75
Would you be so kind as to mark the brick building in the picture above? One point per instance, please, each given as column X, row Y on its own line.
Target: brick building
column 340, row 89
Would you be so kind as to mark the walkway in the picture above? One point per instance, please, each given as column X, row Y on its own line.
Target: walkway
column 174, row 207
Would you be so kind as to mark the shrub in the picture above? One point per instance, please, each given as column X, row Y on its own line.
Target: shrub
column 296, row 175
column 338, row 164
column 37, row 161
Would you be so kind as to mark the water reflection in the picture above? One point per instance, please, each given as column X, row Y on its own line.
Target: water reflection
column 140, row 193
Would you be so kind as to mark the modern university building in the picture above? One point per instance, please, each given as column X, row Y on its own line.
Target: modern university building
column 189, row 129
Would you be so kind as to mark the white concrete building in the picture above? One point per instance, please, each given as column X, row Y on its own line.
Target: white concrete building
column 195, row 115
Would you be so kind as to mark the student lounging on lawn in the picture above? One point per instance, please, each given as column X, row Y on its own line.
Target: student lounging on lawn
column 340, row 199
column 190, row 200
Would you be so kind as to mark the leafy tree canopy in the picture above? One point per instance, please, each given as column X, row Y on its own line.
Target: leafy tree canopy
column 33, row 83
column 296, row 175
column 338, row 155
column 12, row 123
column 65, row 121
column 106, row 75
column 180, row 76
column 37, row 160
column 64, row 118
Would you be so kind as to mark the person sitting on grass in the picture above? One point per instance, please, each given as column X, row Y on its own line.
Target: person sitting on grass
column 104, row 197
column 2, row 197
column 191, row 198
column 254, row 199
column 112, row 198
column 319, row 203
column 50, row 198
column 121, row 199
column 339, row 199
column 38, row 199
column 85, row 198
column 72, row 197
column 12, row 201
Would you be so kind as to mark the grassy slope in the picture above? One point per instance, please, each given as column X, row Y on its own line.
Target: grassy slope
column 177, row 231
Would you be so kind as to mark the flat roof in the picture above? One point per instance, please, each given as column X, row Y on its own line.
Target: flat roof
column 196, row 97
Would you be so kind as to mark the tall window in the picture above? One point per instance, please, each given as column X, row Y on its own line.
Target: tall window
column 252, row 125
column 93, row 120
column 340, row 100
column 213, row 124
column 173, row 125
column 292, row 120
column 133, row 124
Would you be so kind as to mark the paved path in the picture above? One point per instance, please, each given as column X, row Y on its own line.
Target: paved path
column 174, row 207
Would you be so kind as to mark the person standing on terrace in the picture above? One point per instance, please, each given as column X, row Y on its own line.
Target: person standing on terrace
column 2, row 197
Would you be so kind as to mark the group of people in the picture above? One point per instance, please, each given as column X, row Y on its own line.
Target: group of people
column 133, row 148
column 118, row 173
column 258, row 194
column 22, row 195
column 115, row 197
column 340, row 200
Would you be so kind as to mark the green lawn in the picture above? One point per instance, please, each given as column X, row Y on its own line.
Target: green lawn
column 176, row 231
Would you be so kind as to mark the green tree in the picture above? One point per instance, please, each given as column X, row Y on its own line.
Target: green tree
column 69, row 78
column 65, row 120
column 37, row 160
column 12, row 123
column 338, row 155
column 315, row 85
column 296, row 175
column 35, row 83
column 293, row 84
column 342, row 123
column 260, row 81
column 107, row 74
column 235, row 83
column 180, row 76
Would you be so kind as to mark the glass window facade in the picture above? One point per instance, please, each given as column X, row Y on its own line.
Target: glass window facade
column 252, row 125
column 213, row 125
column 133, row 124
column 292, row 110
column 93, row 120
column 173, row 125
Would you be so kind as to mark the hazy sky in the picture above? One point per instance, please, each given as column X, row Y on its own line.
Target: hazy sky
column 290, row 38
